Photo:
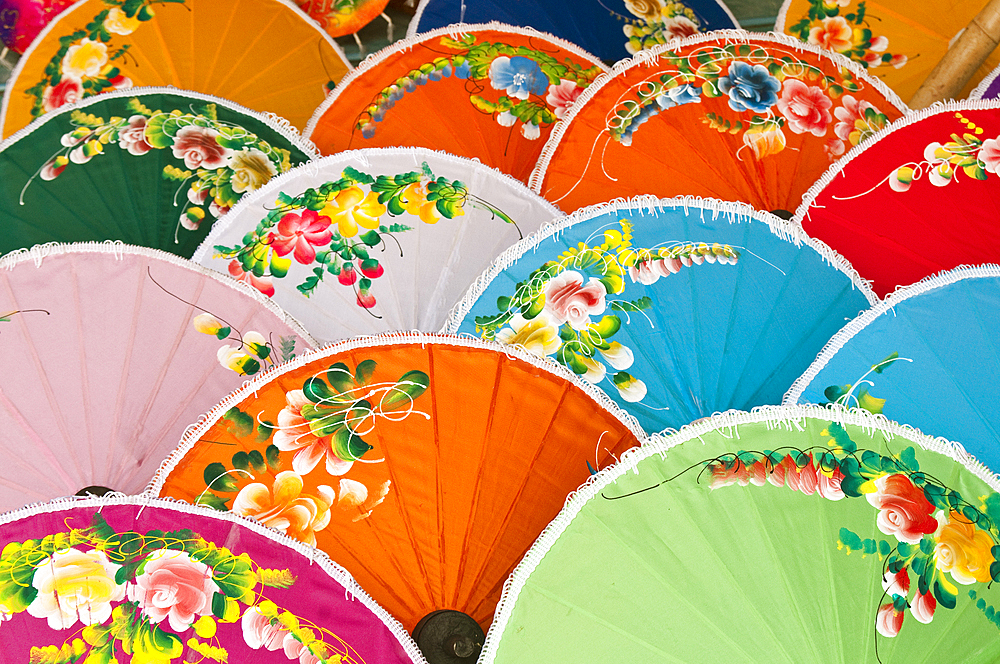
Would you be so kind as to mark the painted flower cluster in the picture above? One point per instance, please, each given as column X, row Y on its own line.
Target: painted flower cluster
column 322, row 422
column 535, row 88
column 935, row 537
column 966, row 152
column 251, row 351
column 221, row 161
column 150, row 597
column 337, row 227
column 657, row 22
column 768, row 92
column 87, row 63
column 848, row 34
column 566, row 308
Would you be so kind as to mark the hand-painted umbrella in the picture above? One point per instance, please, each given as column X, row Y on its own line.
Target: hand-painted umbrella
column 152, row 167
column 731, row 115
column 22, row 20
column 610, row 29
column 678, row 308
column 490, row 92
column 368, row 241
column 785, row 535
column 342, row 17
column 265, row 54
column 109, row 352
column 134, row 580
column 927, row 356
column 438, row 459
column 897, row 41
column 919, row 197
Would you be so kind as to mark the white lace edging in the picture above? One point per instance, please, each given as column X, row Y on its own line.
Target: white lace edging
column 309, row 554
column 735, row 211
column 194, row 432
column 901, row 294
column 779, row 23
column 375, row 59
column 773, row 417
column 649, row 57
column 980, row 90
column 313, row 167
column 38, row 253
column 910, row 118
column 275, row 122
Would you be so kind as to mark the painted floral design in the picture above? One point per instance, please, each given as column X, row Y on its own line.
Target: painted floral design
column 219, row 161
column 535, row 88
column 322, row 422
column 337, row 227
column 847, row 33
column 87, row 62
column 856, row 394
column 135, row 597
column 657, row 22
column 567, row 309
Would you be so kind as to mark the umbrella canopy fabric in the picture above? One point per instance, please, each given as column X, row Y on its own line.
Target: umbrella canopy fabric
column 438, row 460
column 610, row 29
column 921, row 196
column 110, row 351
column 925, row 356
column 22, row 20
column 265, row 54
column 989, row 87
column 730, row 115
column 678, row 308
column 150, row 166
column 897, row 41
column 132, row 580
column 783, row 535
column 367, row 241
column 490, row 92
column 342, row 17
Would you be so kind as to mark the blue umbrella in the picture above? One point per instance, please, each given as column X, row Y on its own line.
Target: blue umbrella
column 927, row 356
column 610, row 29
column 678, row 308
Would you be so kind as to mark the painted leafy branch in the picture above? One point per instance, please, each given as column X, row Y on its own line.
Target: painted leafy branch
column 848, row 34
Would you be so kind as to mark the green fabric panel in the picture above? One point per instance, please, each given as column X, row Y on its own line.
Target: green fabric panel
column 687, row 573
column 117, row 195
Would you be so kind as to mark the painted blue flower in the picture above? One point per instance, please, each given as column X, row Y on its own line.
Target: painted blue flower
column 519, row 76
column 682, row 94
column 750, row 87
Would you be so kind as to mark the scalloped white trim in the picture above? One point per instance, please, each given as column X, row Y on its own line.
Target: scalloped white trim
column 980, row 90
column 311, row 555
column 12, row 81
column 649, row 57
column 37, row 254
column 735, row 211
column 275, row 122
column 375, row 59
column 901, row 294
column 194, row 433
column 774, row 417
column 311, row 169
column 779, row 23
column 414, row 28
column 911, row 117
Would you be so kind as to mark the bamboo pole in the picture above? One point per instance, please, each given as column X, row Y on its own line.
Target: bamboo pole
column 965, row 56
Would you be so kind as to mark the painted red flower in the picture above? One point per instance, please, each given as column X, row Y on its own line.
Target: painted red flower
column 562, row 96
column 263, row 284
column 198, row 148
column 568, row 300
column 366, row 300
column 300, row 235
column 903, row 509
column 806, row 108
column 922, row 607
column 347, row 276
column 133, row 137
column 889, row 621
column 68, row 91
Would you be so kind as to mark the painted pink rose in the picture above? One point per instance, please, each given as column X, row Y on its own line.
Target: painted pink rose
column 989, row 154
column 562, row 96
column 896, row 584
column 806, row 108
column 679, row 27
column 889, row 621
column 259, row 632
column 263, row 284
column 68, row 91
column 903, row 509
column 834, row 33
column 174, row 586
column 198, row 148
column 294, row 435
column 300, row 235
column 569, row 301
column 133, row 137
column 851, row 111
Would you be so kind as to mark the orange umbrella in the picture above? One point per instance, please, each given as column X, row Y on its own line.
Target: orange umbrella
column 729, row 115
column 426, row 465
column 264, row 54
column 491, row 92
column 342, row 17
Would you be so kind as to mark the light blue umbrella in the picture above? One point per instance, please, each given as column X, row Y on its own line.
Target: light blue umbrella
column 678, row 308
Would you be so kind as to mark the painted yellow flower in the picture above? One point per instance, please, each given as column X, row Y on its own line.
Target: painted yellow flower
column 85, row 59
column 251, row 170
column 75, row 585
column 119, row 23
column 963, row 550
column 208, row 324
column 352, row 208
column 414, row 199
column 538, row 335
